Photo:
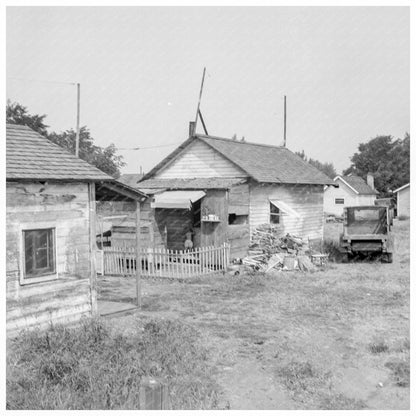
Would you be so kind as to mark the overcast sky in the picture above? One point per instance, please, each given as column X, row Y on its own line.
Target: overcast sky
column 344, row 70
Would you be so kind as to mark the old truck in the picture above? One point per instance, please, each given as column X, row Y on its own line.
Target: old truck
column 367, row 230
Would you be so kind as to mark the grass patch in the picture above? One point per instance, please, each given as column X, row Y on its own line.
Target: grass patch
column 401, row 372
column 341, row 402
column 378, row 347
column 92, row 367
column 302, row 377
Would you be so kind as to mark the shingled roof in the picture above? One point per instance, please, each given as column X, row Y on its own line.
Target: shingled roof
column 263, row 163
column 358, row 184
column 191, row 183
column 32, row 156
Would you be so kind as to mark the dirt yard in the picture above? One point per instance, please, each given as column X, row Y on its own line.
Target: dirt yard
column 333, row 339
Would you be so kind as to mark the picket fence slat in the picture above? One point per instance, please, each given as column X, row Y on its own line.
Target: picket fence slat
column 164, row 262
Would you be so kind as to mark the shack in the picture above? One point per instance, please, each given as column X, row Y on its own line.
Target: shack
column 403, row 200
column 214, row 190
column 352, row 191
column 50, row 230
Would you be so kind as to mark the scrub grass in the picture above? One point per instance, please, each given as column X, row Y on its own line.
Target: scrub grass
column 93, row 367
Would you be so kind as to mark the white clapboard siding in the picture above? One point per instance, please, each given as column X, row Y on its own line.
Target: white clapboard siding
column 200, row 161
column 306, row 200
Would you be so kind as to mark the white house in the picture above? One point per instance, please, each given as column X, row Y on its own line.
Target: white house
column 352, row 191
column 403, row 200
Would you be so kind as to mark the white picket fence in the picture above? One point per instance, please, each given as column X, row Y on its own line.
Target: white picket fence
column 161, row 262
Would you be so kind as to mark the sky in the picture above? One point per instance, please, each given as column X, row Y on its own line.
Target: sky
column 345, row 72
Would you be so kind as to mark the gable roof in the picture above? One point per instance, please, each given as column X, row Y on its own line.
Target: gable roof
column 131, row 179
column 263, row 163
column 357, row 184
column 32, row 156
column 401, row 188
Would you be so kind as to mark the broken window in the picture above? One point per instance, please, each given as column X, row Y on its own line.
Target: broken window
column 39, row 252
column 234, row 219
column 274, row 214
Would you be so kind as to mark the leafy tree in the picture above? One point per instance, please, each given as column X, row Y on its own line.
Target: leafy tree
column 104, row 159
column 387, row 159
column 18, row 114
column 327, row 168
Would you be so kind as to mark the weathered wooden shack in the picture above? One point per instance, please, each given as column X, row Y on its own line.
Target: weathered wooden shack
column 227, row 188
column 50, row 230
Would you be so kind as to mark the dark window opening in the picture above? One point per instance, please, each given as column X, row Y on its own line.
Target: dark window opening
column 234, row 219
column 39, row 251
column 339, row 201
column 274, row 214
column 196, row 214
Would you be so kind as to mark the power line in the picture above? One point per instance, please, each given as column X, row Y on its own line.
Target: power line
column 149, row 147
column 42, row 80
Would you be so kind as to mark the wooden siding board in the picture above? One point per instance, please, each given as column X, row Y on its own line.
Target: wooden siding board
column 68, row 212
column 199, row 161
column 306, row 200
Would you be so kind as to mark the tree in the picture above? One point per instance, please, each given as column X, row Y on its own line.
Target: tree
column 18, row 114
column 104, row 159
column 387, row 159
column 327, row 168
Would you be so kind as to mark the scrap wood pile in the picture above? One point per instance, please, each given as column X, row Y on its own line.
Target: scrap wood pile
column 270, row 250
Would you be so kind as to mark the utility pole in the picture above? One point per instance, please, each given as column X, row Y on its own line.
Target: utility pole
column 77, row 133
column 284, row 124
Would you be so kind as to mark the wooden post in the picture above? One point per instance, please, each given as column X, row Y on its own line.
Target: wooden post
column 77, row 130
column 93, row 244
column 138, row 261
column 284, row 122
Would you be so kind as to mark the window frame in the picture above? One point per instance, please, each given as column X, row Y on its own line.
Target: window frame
column 272, row 214
column 47, row 276
column 339, row 199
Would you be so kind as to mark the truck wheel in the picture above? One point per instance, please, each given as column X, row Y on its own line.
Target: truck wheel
column 389, row 257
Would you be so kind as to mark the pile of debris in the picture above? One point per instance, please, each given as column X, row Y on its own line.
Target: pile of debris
column 270, row 250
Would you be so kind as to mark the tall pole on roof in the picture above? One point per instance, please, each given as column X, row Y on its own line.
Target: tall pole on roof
column 284, row 124
column 199, row 102
column 77, row 132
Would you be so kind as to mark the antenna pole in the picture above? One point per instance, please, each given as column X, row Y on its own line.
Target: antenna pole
column 77, row 133
column 199, row 102
column 284, row 124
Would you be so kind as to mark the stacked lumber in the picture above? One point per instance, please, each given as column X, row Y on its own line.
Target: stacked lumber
column 269, row 250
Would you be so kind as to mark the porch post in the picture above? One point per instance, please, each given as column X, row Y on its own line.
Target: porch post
column 138, row 260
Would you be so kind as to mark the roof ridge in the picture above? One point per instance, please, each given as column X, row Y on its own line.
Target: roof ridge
column 204, row 136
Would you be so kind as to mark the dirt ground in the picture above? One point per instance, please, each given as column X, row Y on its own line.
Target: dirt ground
column 334, row 339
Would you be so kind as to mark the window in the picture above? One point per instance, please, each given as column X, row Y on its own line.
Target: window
column 196, row 214
column 39, row 254
column 234, row 219
column 339, row 201
column 274, row 214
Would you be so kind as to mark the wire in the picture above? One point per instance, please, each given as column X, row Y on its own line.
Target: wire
column 43, row 80
column 150, row 147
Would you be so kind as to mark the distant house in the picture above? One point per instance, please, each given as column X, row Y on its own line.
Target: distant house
column 50, row 230
column 220, row 190
column 352, row 191
column 403, row 200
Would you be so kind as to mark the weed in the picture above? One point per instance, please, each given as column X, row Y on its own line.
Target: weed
column 301, row 377
column 91, row 367
column 378, row 347
column 401, row 372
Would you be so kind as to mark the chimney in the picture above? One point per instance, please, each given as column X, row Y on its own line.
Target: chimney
column 191, row 128
column 370, row 180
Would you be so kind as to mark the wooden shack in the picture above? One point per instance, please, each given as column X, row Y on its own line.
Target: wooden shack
column 243, row 185
column 50, row 230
